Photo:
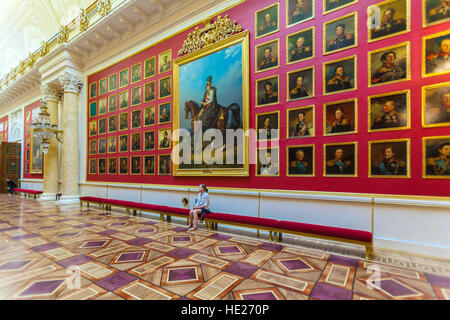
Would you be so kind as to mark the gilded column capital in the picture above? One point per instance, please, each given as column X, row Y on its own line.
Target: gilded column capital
column 71, row 83
column 51, row 93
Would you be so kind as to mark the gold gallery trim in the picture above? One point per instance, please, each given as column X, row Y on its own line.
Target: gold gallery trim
column 408, row 159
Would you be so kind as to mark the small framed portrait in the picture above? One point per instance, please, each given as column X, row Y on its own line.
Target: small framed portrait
column 112, row 166
column 267, row 91
column 92, row 166
column 123, row 121
column 340, row 117
column 136, row 97
column 112, row 103
column 333, row 5
column 136, row 73
column 436, row 49
column 92, row 90
column 435, row 12
column 300, row 46
column 149, row 165
column 436, row 105
column 136, row 141
column 112, row 144
column 298, row 11
column 103, row 86
column 165, row 61
column 124, row 78
column 123, row 143
column 102, row 106
column 102, row 146
column 268, row 162
column 123, row 165
column 149, row 68
column 389, row 65
column 267, row 20
column 124, row 101
column 149, row 116
column 267, row 56
column 389, row 111
column 300, row 84
column 164, row 168
column 112, row 82
column 164, row 113
column 340, row 75
column 436, row 157
column 300, row 122
column 165, row 87
column 93, row 109
column 102, row 126
column 136, row 165
column 102, row 166
column 136, row 119
column 340, row 34
column 164, row 138
column 92, row 128
column 112, row 124
column 268, row 126
column 149, row 140
column 340, row 159
column 389, row 159
column 92, row 148
column 300, row 161
column 149, row 91
column 388, row 18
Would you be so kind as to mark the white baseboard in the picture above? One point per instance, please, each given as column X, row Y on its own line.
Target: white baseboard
column 47, row 197
column 420, row 248
column 70, row 199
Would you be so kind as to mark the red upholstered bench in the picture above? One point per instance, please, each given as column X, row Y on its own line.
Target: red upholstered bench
column 325, row 232
column 28, row 192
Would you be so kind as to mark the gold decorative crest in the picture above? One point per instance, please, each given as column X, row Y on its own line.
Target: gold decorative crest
column 104, row 7
column 211, row 33
column 63, row 35
column 84, row 20
column 44, row 49
column 31, row 60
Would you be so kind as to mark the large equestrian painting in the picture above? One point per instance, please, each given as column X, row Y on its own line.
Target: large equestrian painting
column 211, row 87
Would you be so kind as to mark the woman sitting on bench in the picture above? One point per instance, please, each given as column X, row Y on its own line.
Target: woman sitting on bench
column 201, row 206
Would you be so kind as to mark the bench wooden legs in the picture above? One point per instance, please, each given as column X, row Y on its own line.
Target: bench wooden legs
column 369, row 252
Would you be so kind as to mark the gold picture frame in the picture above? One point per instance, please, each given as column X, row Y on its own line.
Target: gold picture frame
column 160, row 135
column 146, row 74
column 144, row 172
column 355, row 75
column 99, row 161
column 270, row 170
column 407, row 108
column 135, row 102
column 37, row 158
column 425, row 19
column 407, row 174
column 149, row 84
column 355, row 159
column 313, row 156
column 312, row 45
column 136, row 67
column 120, row 165
column 427, row 58
column 133, row 161
column 268, row 8
column 110, row 160
column 258, row 115
column 169, row 117
column 353, row 119
column 355, row 33
column 167, row 53
column 154, row 140
column 241, row 39
column 311, row 83
column 169, row 164
column 92, row 168
column 311, row 128
column 266, row 44
column 154, row 116
column 431, row 163
column 119, row 144
column 325, row 11
column 407, row 64
column 263, row 81
column 161, row 82
column 93, row 88
column 122, row 83
column 313, row 14
column 103, row 81
column 110, row 87
column 373, row 22
column 442, row 112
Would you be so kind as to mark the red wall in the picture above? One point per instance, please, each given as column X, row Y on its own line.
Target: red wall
column 4, row 120
column 27, row 137
column 244, row 15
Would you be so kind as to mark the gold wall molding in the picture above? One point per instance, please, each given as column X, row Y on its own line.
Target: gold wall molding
column 103, row 7
column 83, row 20
column 63, row 35
column 223, row 28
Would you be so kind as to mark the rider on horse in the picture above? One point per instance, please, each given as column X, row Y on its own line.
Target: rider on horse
column 210, row 112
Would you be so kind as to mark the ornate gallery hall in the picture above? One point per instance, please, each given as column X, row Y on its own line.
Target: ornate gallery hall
column 225, row 150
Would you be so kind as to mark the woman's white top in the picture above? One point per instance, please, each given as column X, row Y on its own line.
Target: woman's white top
column 202, row 200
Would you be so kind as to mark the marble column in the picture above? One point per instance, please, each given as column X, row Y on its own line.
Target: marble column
column 51, row 163
column 72, row 85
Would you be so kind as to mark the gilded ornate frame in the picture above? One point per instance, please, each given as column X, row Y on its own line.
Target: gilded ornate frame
column 408, row 159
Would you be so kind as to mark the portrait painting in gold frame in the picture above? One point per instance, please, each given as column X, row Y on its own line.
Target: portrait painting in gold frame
column 436, row 105
column 340, row 159
column 300, row 84
column 340, row 117
column 436, row 50
column 388, row 18
column 165, row 61
column 93, row 90
column 149, row 67
column 123, row 165
column 333, row 5
column 136, row 73
column 268, row 126
column 389, row 111
column 92, row 166
column 267, row 162
column 300, row 45
column 340, row 34
column 435, row 12
column 103, row 86
column 112, row 165
column 267, row 56
column 298, row 11
column 300, row 161
column 164, row 165
column 436, row 157
column 340, row 75
column 135, row 165
column 112, row 83
column 301, row 122
column 101, row 165
column 267, row 91
column 124, row 78
column 149, row 165
column 224, row 63
column 267, row 20
column 389, row 158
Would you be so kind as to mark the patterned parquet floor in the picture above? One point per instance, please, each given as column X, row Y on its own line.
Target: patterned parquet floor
column 55, row 251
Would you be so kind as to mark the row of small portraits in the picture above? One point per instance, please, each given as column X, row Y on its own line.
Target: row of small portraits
column 122, row 100
column 109, row 84
column 131, row 165
column 114, row 144
column 387, row 159
column 385, row 19
column 99, row 127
